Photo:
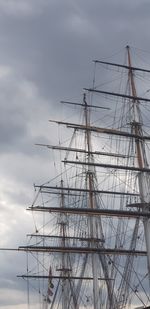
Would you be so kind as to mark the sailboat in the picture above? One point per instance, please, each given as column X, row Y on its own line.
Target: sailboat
column 91, row 247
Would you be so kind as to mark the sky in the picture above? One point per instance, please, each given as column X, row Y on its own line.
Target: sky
column 46, row 53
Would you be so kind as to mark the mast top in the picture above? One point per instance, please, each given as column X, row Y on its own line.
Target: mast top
column 122, row 65
column 128, row 67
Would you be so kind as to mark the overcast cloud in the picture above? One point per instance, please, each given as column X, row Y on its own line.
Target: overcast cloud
column 46, row 52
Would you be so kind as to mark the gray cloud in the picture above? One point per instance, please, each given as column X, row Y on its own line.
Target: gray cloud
column 46, row 52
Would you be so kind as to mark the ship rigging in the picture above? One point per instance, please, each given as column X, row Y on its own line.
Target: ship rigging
column 92, row 249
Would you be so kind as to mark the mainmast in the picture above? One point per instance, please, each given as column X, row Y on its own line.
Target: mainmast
column 143, row 177
column 95, row 229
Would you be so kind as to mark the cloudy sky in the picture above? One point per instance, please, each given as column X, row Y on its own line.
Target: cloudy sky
column 46, row 52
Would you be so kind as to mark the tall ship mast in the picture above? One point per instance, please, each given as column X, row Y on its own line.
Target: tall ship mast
column 91, row 245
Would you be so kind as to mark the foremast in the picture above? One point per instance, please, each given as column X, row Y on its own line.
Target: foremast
column 92, row 223
column 95, row 227
column 64, row 266
column 99, row 255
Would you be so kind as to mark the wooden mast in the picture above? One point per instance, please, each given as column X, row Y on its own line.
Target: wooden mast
column 141, row 158
column 94, row 250
column 92, row 225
